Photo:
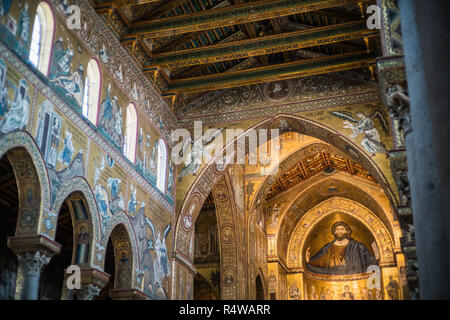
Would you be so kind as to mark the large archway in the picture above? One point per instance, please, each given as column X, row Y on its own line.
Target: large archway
column 75, row 231
column 120, row 263
column 33, row 181
column 211, row 174
column 316, row 227
column 207, row 253
column 259, row 289
column 9, row 208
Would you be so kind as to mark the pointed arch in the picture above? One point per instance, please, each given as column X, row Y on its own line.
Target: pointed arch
column 128, row 236
column 126, row 255
column 36, row 165
column 88, row 207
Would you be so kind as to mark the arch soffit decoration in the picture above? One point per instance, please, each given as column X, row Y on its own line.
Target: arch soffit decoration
column 22, row 139
column 295, row 210
column 76, row 184
column 228, row 231
column 210, row 174
column 260, row 273
column 288, row 162
column 121, row 219
column 296, row 246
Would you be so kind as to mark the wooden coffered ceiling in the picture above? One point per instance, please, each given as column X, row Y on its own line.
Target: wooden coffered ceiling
column 307, row 167
column 191, row 47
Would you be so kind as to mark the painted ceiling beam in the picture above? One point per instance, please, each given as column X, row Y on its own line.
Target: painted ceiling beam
column 164, row 8
column 282, row 71
column 228, row 16
column 263, row 45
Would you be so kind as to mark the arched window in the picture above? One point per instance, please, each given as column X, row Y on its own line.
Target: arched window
column 131, row 133
column 41, row 38
column 162, row 166
column 91, row 92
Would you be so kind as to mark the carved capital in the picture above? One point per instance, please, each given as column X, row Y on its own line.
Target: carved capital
column 399, row 107
column 399, row 168
column 32, row 262
column 87, row 292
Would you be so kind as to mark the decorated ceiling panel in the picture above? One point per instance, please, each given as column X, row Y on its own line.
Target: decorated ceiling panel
column 195, row 47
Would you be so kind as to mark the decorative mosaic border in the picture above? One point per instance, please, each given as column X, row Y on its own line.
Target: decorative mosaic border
column 304, row 106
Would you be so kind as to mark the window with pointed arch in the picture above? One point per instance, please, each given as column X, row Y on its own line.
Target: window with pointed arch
column 42, row 38
column 91, row 91
column 130, row 133
column 162, row 166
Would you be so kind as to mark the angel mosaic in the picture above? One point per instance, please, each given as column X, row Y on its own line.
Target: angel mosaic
column 194, row 156
column 156, row 269
column 371, row 141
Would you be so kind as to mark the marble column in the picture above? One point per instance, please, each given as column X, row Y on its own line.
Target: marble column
column 425, row 29
column 30, row 266
column 33, row 254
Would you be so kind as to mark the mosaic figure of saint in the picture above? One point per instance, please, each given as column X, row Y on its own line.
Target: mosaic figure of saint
column 23, row 32
column 347, row 294
column 3, row 101
column 5, row 5
column 101, row 201
column 63, row 7
column 107, row 106
column 342, row 256
column 113, row 184
column 119, row 123
column 83, row 240
column 170, row 179
column 393, row 289
column 104, row 56
column 132, row 203
column 65, row 155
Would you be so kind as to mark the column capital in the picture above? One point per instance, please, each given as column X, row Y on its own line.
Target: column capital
column 394, row 92
column 89, row 291
column 92, row 280
column 32, row 263
column 399, row 108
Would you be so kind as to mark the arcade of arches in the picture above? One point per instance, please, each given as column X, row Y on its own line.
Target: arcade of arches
column 89, row 178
